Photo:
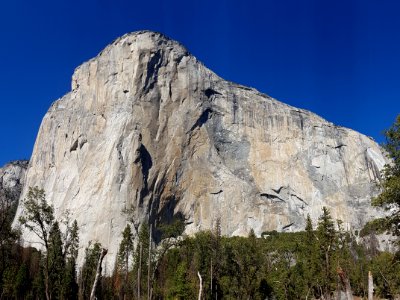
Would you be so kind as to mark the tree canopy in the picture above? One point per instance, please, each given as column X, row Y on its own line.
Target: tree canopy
column 389, row 198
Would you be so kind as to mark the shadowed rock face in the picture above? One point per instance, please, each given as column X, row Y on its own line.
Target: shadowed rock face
column 12, row 179
column 147, row 127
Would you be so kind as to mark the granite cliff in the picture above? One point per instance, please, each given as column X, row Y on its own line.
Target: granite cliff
column 147, row 127
column 12, row 179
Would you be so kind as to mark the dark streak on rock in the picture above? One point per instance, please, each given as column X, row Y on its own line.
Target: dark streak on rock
column 287, row 226
column 216, row 193
column 209, row 92
column 272, row 197
column 204, row 117
column 74, row 146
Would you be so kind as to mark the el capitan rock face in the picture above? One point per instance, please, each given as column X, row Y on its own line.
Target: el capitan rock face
column 147, row 127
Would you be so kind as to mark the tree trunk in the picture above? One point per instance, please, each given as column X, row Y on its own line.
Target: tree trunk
column 370, row 286
column 211, row 281
column 338, row 288
column 149, row 266
column 98, row 274
column 139, row 270
column 201, row 285
column 326, row 288
column 46, row 277
column 346, row 283
column 126, row 274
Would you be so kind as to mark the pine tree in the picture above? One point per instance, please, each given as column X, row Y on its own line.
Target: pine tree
column 327, row 241
column 70, row 286
column 308, row 257
column 142, row 259
column 38, row 283
column 124, row 255
column 56, row 261
column 390, row 185
column 21, row 284
column 88, row 271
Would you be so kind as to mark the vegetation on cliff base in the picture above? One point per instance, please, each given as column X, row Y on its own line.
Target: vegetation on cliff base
column 389, row 198
column 302, row 265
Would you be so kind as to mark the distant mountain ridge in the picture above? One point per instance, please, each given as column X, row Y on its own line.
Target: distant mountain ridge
column 147, row 127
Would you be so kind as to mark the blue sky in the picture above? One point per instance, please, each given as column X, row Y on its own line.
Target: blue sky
column 339, row 59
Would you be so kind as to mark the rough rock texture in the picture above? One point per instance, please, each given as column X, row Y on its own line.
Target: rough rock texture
column 148, row 127
column 12, row 178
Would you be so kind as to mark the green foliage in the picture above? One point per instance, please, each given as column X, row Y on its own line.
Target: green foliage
column 326, row 238
column 56, row 261
column 278, row 266
column 301, row 265
column 173, row 229
column 69, row 283
column 88, row 271
column 125, row 255
column 38, row 216
column 22, row 283
column 387, row 270
column 39, row 288
column 58, row 264
column 71, row 244
column 390, row 185
column 125, row 249
column 180, row 287
column 281, row 265
column 8, row 206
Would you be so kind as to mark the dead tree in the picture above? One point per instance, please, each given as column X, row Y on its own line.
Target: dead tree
column 370, row 286
column 139, row 270
column 211, row 281
column 149, row 265
column 201, row 285
column 98, row 274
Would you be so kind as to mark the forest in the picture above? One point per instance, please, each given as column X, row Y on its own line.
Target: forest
column 313, row 264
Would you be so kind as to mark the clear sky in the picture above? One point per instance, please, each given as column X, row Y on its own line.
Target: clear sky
column 339, row 59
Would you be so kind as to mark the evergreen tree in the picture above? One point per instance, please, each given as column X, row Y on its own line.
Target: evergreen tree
column 142, row 260
column 71, row 244
column 124, row 255
column 390, row 185
column 327, row 241
column 22, row 283
column 308, row 258
column 39, row 289
column 56, row 261
column 69, row 285
column 88, row 271
column 8, row 235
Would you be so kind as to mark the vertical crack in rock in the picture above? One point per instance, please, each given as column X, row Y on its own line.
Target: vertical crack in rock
column 122, row 163
column 152, row 70
column 74, row 146
column 147, row 164
column 235, row 108
column 373, row 170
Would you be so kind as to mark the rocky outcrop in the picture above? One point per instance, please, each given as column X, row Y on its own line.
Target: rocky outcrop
column 148, row 128
column 12, row 179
